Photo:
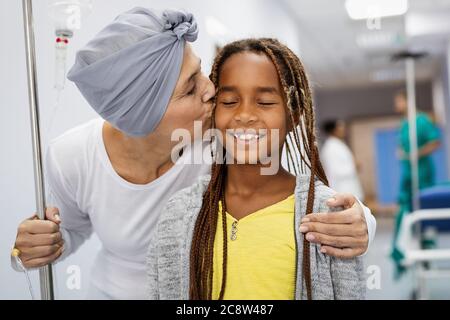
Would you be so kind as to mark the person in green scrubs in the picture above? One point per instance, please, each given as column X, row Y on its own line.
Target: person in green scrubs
column 427, row 143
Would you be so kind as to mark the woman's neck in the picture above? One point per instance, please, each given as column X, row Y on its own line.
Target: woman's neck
column 137, row 160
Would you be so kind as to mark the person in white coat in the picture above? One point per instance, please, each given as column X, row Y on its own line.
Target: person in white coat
column 338, row 160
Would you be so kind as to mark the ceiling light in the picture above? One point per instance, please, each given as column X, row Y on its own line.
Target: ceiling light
column 367, row 9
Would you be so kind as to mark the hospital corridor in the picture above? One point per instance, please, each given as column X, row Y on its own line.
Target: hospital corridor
column 225, row 150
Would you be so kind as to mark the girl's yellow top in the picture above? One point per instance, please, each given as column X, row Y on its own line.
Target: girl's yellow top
column 261, row 254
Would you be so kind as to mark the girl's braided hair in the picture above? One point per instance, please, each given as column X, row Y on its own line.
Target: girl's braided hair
column 298, row 98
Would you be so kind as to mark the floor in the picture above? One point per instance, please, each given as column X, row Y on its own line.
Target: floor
column 378, row 263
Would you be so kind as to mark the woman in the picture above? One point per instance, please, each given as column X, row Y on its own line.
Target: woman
column 113, row 175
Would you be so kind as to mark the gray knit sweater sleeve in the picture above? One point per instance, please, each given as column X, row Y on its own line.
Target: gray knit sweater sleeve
column 152, row 272
column 163, row 256
column 347, row 275
column 166, row 272
column 160, row 247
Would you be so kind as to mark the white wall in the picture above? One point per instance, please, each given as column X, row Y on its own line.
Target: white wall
column 242, row 18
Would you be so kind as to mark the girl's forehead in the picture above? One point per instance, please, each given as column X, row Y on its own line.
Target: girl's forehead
column 249, row 67
column 247, row 59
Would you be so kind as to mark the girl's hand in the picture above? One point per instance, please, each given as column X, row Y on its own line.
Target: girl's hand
column 342, row 234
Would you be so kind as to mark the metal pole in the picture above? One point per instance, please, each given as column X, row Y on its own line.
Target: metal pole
column 447, row 102
column 413, row 149
column 45, row 273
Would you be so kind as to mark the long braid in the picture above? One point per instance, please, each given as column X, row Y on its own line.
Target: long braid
column 316, row 166
column 290, row 92
column 298, row 100
column 225, row 245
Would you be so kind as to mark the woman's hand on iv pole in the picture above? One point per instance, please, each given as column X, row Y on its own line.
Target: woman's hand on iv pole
column 342, row 234
column 40, row 241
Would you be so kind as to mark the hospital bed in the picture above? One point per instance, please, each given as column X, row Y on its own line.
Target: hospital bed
column 433, row 217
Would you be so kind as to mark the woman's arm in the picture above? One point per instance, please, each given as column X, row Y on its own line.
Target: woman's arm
column 72, row 225
column 76, row 226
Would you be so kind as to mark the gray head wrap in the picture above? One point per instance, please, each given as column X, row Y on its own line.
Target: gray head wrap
column 128, row 72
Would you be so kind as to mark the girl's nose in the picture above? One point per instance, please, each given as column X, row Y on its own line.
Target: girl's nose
column 245, row 114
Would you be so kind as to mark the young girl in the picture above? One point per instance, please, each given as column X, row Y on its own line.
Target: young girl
column 233, row 234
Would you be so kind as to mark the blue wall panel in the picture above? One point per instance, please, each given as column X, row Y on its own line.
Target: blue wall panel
column 387, row 165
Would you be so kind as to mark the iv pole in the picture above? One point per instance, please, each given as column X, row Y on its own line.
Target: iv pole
column 409, row 58
column 45, row 273
column 413, row 148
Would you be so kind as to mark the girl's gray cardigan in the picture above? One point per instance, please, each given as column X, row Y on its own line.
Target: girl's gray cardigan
column 168, row 255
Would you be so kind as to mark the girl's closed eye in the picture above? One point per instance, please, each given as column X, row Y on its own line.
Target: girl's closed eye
column 229, row 103
column 227, row 100
column 267, row 103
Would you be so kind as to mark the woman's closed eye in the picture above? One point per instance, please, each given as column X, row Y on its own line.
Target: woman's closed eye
column 192, row 91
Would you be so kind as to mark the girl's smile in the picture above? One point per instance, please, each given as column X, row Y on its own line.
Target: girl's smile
column 247, row 136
